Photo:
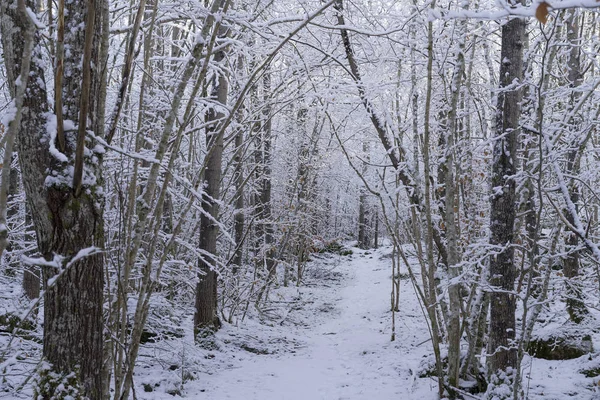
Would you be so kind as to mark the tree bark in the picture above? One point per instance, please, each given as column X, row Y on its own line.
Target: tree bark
column 451, row 216
column 206, row 318
column 503, row 355
column 363, row 207
column 65, row 224
column 239, row 217
column 575, row 305
column 265, row 139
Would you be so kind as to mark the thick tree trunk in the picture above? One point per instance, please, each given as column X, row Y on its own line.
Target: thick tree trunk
column 66, row 225
column 503, row 355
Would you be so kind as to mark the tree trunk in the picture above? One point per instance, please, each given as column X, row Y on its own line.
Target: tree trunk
column 66, row 225
column 303, row 190
column 376, row 236
column 239, row 218
column 451, row 216
column 575, row 306
column 363, row 207
column 206, row 318
column 31, row 273
column 503, row 355
column 265, row 184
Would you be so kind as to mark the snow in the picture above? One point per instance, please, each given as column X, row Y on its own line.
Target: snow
column 327, row 339
column 9, row 113
column 51, row 129
column 513, row 10
column 38, row 24
column 333, row 343
column 348, row 356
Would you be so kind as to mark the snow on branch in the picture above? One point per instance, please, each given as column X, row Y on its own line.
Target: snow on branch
column 538, row 10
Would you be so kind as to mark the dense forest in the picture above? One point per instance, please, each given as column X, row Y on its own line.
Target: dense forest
column 175, row 174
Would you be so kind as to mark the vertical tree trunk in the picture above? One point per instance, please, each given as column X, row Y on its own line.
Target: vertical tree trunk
column 66, row 225
column 432, row 305
column 362, row 220
column 206, row 318
column 265, row 184
column 376, row 236
column 363, row 207
column 239, row 218
column 31, row 273
column 303, row 190
column 452, row 218
column 503, row 356
column 575, row 306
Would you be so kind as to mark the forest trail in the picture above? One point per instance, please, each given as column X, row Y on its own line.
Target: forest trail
column 348, row 356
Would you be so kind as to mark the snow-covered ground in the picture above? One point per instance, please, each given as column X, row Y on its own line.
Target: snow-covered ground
column 333, row 342
column 328, row 339
column 347, row 352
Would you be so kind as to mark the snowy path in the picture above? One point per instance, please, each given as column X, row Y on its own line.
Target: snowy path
column 350, row 356
column 329, row 340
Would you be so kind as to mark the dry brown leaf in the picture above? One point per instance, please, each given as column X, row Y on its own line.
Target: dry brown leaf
column 541, row 13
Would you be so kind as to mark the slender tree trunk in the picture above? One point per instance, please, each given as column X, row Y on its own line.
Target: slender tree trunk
column 376, row 237
column 363, row 207
column 452, row 219
column 265, row 184
column 239, row 218
column 303, row 189
column 575, row 306
column 31, row 273
column 432, row 304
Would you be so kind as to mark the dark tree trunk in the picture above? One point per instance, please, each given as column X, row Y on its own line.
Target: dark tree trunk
column 206, row 318
column 364, row 241
column 239, row 218
column 363, row 237
column 31, row 273
column 503, row 355
column 64, row 224
column 376, row 236
column 31, row 282
column 303, row 192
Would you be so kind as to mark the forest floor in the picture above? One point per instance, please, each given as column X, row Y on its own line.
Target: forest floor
column 328, row 339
